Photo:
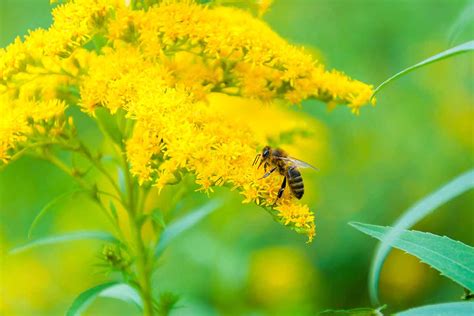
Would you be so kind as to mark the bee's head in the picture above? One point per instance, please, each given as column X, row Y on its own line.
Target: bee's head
column 263, row 156
column 266, row 152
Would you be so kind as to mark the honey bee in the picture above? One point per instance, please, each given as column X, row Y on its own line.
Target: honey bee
column 278, row 160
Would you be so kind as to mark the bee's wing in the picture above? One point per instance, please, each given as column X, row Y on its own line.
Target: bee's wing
column 298, row 163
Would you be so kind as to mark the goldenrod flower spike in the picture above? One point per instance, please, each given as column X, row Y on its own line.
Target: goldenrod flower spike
column 241, row 54
column 163, row 68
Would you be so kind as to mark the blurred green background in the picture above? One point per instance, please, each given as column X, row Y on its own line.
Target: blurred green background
column 238, row 261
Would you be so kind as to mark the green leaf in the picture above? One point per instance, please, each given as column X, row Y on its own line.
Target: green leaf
column 452, row 258
column 117, row 290
column 176, row 228
column 86, row 298
column 364, row 311
column 465, row 18
column 414, row 214
column 463, row 48
column 121, row 180
column 157, row 218
column 48, row 207
column 108, row 124
column 123, row 292
column 57, row 239
column 113, row 210
column 446, row 309
column 166, row 302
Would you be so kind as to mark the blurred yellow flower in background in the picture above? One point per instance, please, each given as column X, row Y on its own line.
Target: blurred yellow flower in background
column 404, row 274
column 280, row 277
column 12, row 290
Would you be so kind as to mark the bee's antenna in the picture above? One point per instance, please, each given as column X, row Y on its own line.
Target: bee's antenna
column 256, row 159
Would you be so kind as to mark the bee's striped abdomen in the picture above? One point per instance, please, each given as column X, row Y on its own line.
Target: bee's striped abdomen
column 295, row 181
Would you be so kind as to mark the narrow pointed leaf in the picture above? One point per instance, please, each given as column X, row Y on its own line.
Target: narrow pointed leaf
column 157, row 218
column 117, row 290
column 113, row 210
column 413, row 215
column 121, row 180
column 364, row 311
column 47, row 208
column 451, row 258
column 176, row 228
column 166, row 303
column 462, row 23
column 86, row 298
column 123, row 292
column 446, row 309
column 463, row 48
column 57, row 239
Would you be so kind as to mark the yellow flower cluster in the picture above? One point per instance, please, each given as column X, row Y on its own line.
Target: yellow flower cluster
column 35, row 75
column 169, row 68
column 237, row 54
column 174, row 134
column 22, row 117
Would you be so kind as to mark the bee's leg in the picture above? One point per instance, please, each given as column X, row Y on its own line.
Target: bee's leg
column 256, row 159
column 219, row 181
column 268, row 173
column 282, row 189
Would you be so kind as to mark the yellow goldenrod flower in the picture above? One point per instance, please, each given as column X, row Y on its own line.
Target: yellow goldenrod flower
column 168, row 69
column 22, row 118
column 244, row 53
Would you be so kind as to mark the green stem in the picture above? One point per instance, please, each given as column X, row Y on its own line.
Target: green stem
column 85, row 152
column 135, row 209
column 133, row 201
column 61, row 165
column 142, row 199
column 112, row 196
column 21, row 152
column 98, row 165
column 143, row 272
